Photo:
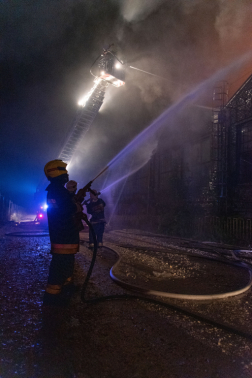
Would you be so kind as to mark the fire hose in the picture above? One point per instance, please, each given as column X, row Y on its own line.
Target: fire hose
column 145, row 293
column 147, row 299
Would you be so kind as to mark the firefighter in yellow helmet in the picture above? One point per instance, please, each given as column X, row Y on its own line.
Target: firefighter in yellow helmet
column 63, row 231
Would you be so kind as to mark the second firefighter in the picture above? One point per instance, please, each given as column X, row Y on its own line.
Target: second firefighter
column 95, row 207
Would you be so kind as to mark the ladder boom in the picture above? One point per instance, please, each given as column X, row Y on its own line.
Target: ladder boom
column 89, row 109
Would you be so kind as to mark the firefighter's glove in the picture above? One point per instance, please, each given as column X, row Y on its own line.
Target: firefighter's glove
column 81, row 194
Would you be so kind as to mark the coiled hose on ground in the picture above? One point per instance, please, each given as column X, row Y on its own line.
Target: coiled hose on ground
column 145, row 293
column 152, row 292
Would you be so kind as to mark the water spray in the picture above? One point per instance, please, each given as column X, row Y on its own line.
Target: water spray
column 149, row 73
column 150, row 131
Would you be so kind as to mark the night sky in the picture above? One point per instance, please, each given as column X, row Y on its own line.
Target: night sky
column 47, row 49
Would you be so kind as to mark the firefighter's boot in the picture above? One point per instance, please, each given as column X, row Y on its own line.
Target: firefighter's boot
column 56, row 300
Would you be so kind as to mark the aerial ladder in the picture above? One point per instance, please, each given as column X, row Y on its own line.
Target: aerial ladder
column 106, row 69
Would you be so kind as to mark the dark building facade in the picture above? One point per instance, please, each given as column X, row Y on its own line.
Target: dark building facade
column 240, row 120
column 198, row 182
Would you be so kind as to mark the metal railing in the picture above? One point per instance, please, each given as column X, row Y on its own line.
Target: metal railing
column 226, row 229
column 230, row 230
column 9, row 211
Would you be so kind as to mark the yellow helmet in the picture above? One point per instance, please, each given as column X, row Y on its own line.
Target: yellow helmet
column 55, row 168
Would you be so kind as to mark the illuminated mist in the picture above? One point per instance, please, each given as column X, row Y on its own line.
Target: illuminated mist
column 47, row 52
column 138, row 152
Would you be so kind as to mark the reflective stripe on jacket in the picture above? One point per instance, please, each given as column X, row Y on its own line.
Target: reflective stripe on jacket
column 64, row 249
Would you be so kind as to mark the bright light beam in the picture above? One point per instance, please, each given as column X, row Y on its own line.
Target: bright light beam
column 149, row 73
column 84, row 100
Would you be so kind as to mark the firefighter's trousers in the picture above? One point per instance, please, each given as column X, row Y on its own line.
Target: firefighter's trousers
column 99, row 231
column 60, row 275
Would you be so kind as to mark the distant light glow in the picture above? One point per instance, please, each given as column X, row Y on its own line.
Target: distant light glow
column 112, row 80
column 118, row 65
column 118, row 83
column 45, row 206
column 69, row 166
column 40, row 215
column 84, row 100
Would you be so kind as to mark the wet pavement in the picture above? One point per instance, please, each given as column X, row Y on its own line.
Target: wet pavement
column 115, row 338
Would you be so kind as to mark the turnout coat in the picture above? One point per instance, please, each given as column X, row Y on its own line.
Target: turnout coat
column 63, row 230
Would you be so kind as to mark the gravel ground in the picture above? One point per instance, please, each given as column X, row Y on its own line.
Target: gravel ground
column 122, row 338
